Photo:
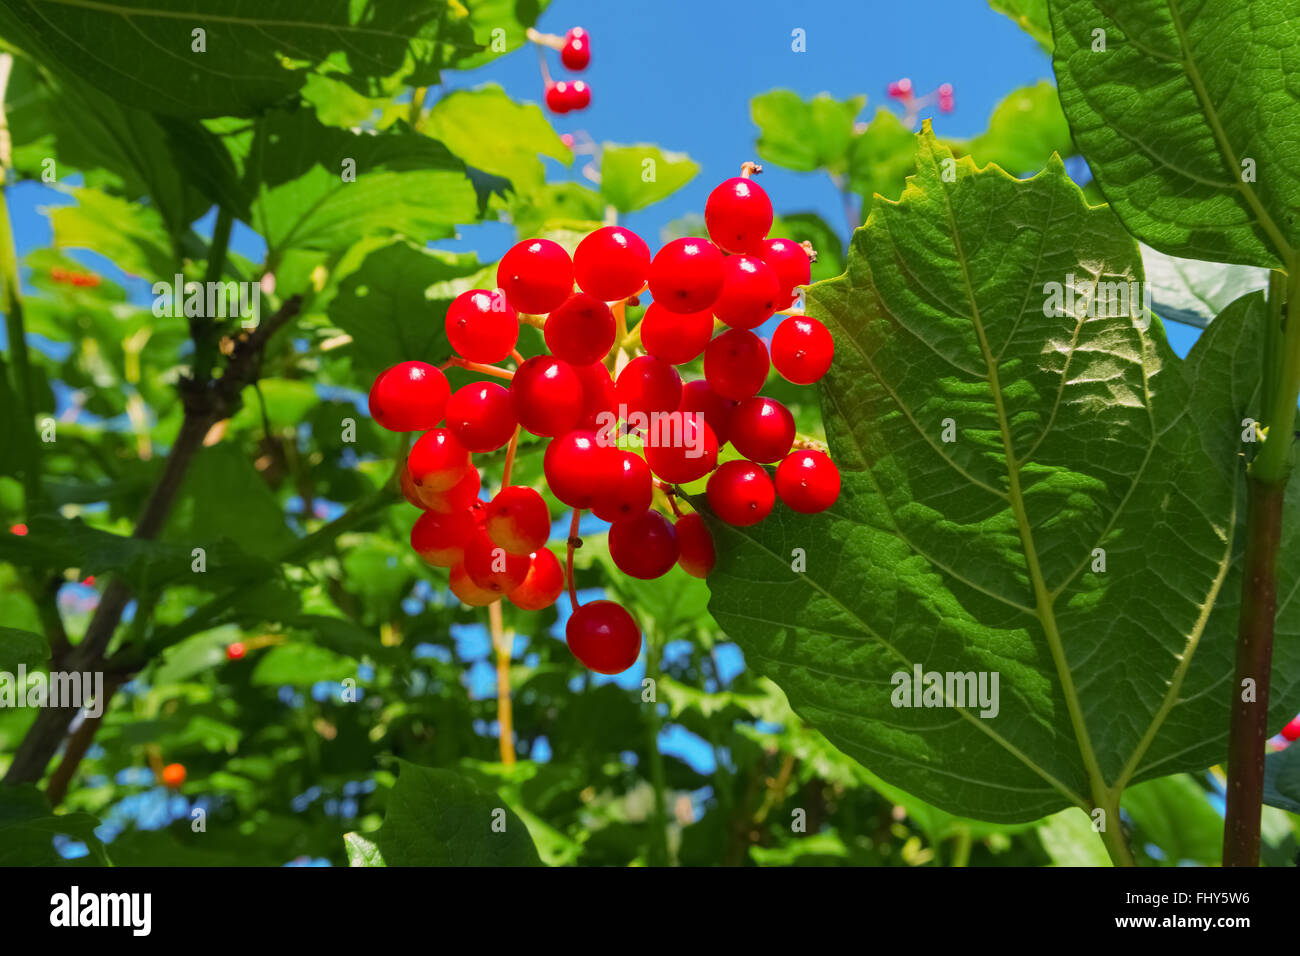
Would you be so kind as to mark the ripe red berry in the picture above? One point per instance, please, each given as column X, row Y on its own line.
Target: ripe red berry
column 467, row 591
column 802, row 349
column 750, row 292
column 647, row 385
column 440, row 539
column 409, row 397
column 682, row 455
column 557, row 98
column 518, row 520
column 173, row 775
column 808, row 481
column 576, row 52
column 437, row 461
column 235, row 651
column 695, row 544
column 629, row 491
column 611, row 263
column 578, row 467
column 740, row 493
column 597, row 396
column 481, row 416
column 604, row 637
column 409, row 491
column 676, row 337
column 481, row 325
column 686, row 275
column 790, row 262
column 1292, row 730
column 581, row 331
column 736, row 364
column 463, row 494
column 536, row 275
column 738, row 215
column 762, row 429
column 644, row 547
column 578, row 95
column 543, row 584
column 492, row 567
column 547, row 395
column 698, row 396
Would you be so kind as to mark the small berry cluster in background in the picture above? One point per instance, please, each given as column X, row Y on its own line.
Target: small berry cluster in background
column 601, row 383
column 903, row 92
column 71, row 277
column 565, row 96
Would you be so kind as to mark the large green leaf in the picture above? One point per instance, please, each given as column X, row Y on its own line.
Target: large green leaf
column 1071, row 433
column 437, row 817
column 257, row 56
column 1188, row 119
column 1192, row 291
column 28, row 828
column 804, row 135
column 1030, row 16
column 881, row 157
column 1174, row 814
column 131, row 235
column 633, row 177
column 1026, row 127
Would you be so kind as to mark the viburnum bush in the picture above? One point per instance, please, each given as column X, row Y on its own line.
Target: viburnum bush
column 601, row 383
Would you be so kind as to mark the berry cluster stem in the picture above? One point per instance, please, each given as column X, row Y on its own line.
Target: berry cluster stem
column 510, row 457
column 477, row 367
column 501, row 643
column 571, row 546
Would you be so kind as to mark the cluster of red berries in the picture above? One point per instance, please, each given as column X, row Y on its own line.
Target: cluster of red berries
column 70, row 277
column 497, row 548
column 567, row 96
column 902, row 91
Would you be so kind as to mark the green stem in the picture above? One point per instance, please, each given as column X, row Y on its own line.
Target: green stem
column 204, row 330
column 659, row 853
column 1113, row 834
column 961, row 848
column 20, row 360
column 1273, row 463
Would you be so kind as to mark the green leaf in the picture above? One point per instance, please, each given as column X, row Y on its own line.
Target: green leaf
column 302, row 665
column 1026, row 128
column 804, row 135
column 258, row 57
column 492, row 132
column 557, row 206
column 221, row 484
column 881, row 157
column 28, row 827
column 976, row 555
column 391, row 309
column 1182, row 96
column 1030, row 16
column 22, row 648
column 1194, row 292
column 1282, row 779
column 437, row 817
column 132, row 235
column 810, row 227
column 1175, row 814
column 1070, row 840
column 633, row 177
column 361, row 852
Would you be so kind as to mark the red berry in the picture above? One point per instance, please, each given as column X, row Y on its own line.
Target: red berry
column 463, row 586
column 762, row 429
column 409, row 491
column 695, row 543
column 1292, row 730
column 481, row 325
column 576, row 53
column 543, row 584
column 235, row 651
column 518, row 520
column 409, row 397
column 750, row 292
column 686, row 275
column 547, row 395
column 740, row 493
column 536, row 275
column 604, row 637
column 676, row 337
column 440, row 539
column 682, row 455
column 597, row 396
column 802, row 349
column 647, row 385
column 437, row 461
column 738, row 215
column 790, row 262
column 481, row 416
column 736, row 364
column 557, row 98
column 945, row 98
column 644, row 547
column 611, row 263
column 462, row 495
column 578, row 95
column 173, row 775
column 808, row 482
column 578, row 467
column 629, row 492
column 492, row 567
column 581, row 331
column 698, row 396
column 900, row 89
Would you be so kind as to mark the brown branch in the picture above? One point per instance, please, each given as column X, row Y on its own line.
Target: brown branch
column 78, row 744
